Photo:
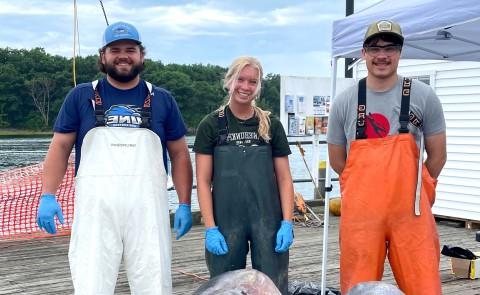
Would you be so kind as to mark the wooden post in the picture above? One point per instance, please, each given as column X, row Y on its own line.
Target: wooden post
column 322, row 169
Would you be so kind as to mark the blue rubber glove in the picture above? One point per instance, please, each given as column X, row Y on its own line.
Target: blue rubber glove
column 183, row 220
column 47, row 210
column 284, row 236
column 215, row 242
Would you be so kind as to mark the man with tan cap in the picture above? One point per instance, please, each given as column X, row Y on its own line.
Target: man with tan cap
column 377, row 134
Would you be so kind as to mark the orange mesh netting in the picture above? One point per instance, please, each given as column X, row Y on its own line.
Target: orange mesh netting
column 20, row 191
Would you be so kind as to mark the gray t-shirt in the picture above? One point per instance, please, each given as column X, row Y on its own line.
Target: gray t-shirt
column 383, row 112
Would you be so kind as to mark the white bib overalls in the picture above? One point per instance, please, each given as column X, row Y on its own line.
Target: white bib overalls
column 121, row 210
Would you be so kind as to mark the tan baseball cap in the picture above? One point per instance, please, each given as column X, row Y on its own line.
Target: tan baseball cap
column 383, row 27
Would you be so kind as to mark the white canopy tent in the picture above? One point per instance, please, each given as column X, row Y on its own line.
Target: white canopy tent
column 433, row 29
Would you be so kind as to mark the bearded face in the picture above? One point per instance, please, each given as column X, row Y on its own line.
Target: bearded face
column 123, row 61
column 120, row 72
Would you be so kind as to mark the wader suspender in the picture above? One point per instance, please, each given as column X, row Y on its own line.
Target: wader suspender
column 98, row 106
column 405, row 106
column 222, row 127
column 404, row 120
column 146, row 113
column 362, row 107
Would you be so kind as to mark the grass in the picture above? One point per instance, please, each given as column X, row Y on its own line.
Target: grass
column 23, row 133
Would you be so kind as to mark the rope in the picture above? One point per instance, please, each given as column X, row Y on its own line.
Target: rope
column 302, row 152
column 190, row 274
column 104, row 14
column 303, row 214
column 75, row 28
column 306, row 220
column 78, row 39
column 309, row 223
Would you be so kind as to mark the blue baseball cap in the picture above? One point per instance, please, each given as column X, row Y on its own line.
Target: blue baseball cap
column 120, row 31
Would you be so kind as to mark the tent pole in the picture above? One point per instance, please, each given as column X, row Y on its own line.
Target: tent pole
column 328, row 182
column 349, row 10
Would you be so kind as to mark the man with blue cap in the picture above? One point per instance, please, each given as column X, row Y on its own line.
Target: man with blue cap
column 122, row 128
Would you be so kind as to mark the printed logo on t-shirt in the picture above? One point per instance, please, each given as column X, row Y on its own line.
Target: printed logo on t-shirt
column 243, row 138
column 123, row 116
column 415, row 120
column 377, row 125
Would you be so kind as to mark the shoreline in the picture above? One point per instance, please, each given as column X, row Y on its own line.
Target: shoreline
column 10, row 132
column 33, row 133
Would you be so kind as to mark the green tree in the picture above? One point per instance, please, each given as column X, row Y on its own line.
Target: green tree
column 9, row 83
column 205, row 99
column 270, row 95
column 40, row 90
column 25, row 104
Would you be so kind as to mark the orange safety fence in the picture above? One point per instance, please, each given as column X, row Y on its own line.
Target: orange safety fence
column 20, row 191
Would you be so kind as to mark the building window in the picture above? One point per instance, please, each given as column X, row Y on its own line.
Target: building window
column 423, row 78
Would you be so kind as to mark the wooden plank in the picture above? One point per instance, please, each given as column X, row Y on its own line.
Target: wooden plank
column 462, row 222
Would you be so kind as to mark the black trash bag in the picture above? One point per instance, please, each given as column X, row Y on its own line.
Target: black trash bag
column 458, row 252
column 309, row 288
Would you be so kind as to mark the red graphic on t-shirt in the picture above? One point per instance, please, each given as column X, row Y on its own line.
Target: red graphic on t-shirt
column 377, row 126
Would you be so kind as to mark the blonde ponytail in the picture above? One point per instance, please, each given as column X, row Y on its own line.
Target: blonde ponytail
column 263, row 123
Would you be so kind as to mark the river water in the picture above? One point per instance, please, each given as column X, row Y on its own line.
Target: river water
column 21, row 152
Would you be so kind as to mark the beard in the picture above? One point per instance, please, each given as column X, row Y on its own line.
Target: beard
column 122, row 76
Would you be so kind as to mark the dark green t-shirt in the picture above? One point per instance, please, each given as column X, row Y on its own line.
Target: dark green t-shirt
column 240, row 132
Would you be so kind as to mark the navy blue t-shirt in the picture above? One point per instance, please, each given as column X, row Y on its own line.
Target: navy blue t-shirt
column 77, row 112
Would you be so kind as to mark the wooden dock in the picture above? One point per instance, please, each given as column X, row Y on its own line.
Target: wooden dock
column 40, row 265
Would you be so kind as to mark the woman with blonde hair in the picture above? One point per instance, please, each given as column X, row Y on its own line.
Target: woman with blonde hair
column 244, row 185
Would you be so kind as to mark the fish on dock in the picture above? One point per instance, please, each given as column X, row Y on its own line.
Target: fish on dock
column 239, row 282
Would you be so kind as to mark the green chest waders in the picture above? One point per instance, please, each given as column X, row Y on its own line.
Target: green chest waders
column 247, row 211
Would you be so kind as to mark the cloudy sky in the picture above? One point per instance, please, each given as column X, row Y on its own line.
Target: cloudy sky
column 289, row 37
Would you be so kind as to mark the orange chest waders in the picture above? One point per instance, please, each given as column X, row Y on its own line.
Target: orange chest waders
column 378, row 187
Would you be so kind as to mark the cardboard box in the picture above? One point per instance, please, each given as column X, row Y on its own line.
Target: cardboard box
column 464, row 268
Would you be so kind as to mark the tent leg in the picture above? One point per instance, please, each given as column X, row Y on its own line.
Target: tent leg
column 328, row 182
